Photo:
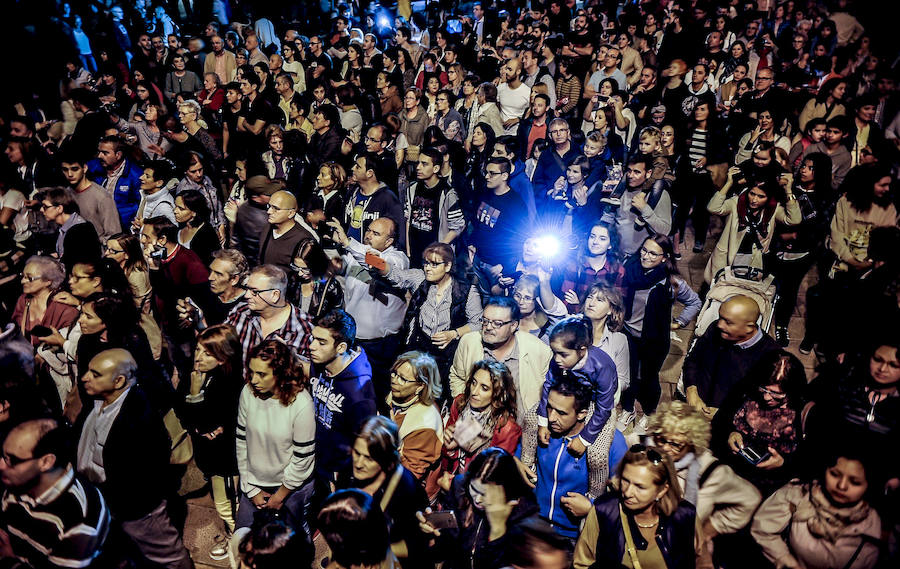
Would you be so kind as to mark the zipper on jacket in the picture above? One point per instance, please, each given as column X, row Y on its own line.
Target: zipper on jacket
column 562, row 449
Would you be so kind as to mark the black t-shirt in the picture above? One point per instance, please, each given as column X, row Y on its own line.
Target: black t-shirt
column 498, row 227
column 313, row 63
column 424, row 220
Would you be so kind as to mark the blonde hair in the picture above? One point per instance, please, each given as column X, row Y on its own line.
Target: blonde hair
column 651, row 132
column 679, row 417
column 425, row 369
column 663, row 472
column 616, row 319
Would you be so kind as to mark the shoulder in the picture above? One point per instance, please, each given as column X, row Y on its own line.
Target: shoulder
column 531, row 344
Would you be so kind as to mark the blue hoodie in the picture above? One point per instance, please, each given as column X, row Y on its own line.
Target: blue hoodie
column 342, row 404
column 520, row 184
column 558, row 473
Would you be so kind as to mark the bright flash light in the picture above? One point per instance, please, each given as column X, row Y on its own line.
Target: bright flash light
column 547, row 246
column 384, row 22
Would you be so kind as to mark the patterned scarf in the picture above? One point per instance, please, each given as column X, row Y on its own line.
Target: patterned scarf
column 824, row 519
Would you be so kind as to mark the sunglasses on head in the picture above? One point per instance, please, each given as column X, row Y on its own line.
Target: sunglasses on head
column 652, row 454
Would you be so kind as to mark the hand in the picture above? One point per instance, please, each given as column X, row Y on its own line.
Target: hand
column 470, row 251
column 497, row 509
column 54, row 339
column 449, row 441
column 676, row 325
column 67, row 299
column 544, row 435
column 543, row 274
column 156, row 149
column 339, row 235
column 6, row 549
column 580, row 196
column 576, row 447
column 426, row 527
column 213, row 434
column 276, row 500
column 732, row 172
column 773, row 462
column 639, row 201
column 700, row 163
column 260, row 499
column 577, row 504
column 527, row 475
column 559, row 185
column 735, row 441
column 506, row 282
column 497, row 270
column 442, row 339
column 861, row 265
column 137, row 223
column 757, row 132
column 571, row 297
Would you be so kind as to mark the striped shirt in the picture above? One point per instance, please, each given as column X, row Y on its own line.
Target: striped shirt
column 65, row 526
column 296, row 332
column 697, row 145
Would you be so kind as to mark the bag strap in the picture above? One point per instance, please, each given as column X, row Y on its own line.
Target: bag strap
column 392, row 485
column 708, row 472
column 629, row 541
column 862, row 542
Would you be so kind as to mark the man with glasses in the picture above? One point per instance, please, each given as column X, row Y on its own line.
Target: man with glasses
column 267, row 315
column 94, row 204
column 376, row 141
column 765, row 95
column 554, row 161
column 500, row 339
column 77, row 240
column 49, row 512
column 318, row 62
column 431, row 207
column 279, row 241
column 724, row 354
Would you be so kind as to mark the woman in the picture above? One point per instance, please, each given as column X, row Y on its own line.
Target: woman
column 796, row 248
column 388, row 94
column 866, row 136
column 750, row 222
column 181, row 83
column 42, row 277
column 328, row 199
column 488, row 500
column 196, row 179
column 212, row 97
column 651, row 286
column 540, row 309
column 448, row 118
column 829, row 102
column 126, row 251
column 568, row 89
column 354, row 61
column 444, row 306
column 147, row 94
column 196, row 233
column 598, row 263
column 812, row 134
column 195, row 137
column 355, row 530
column 413, row 122
column 827, row 522
column 725, row 502
column 151, row 139
column 429, row 94
column 406, row 68
column 486, row 112
column 351, row 118
column 489, row 403
column 479, row 152
column 605, row 309
column 312, row 285
column 276, row 437
column 467, row 101
column 455, row 78
column 763, row 133
column 757, row 429
column 293, row 67
column 377, row 471
column 275, row 162
column 737, row 55
column 644, row 524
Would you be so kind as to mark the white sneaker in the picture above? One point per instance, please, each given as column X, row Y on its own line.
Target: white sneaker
column 625, row 419
column 641, row 425
column 219, row 549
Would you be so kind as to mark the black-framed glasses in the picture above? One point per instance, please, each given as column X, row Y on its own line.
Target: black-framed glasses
column 13, row 460
column 495, row 323
column 661, row 440
column 113, row 251
column 47, row 206
column 491, row 173
column 433, row 264
column 396, row 375
column 257, row 291
column 652, row 454
column 650, row 254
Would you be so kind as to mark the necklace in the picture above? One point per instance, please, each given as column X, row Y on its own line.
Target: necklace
column 646, row 526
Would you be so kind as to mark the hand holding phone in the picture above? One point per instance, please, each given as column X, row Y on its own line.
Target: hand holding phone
column 375, row 261
column 442, row 520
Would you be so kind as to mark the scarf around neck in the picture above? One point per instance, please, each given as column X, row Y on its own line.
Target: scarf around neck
column 824, row 519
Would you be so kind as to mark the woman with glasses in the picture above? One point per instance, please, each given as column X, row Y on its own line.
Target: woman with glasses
column 539, row 307
column 725, row 502
column 195, row 233
column 42, row 278
column 194, row 136
column 447, row 118
column 125, row 249
column 312, row 285
column 645, row 524
column 757, row 430
column 276, row 437
column 444, row 306
column 650, row 288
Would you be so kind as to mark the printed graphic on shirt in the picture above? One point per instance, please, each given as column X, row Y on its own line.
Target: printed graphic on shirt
column 326, row 402
column 487, row 214
column 422, row 215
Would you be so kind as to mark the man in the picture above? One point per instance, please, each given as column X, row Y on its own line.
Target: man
column 94, row 204
column 220, row 61
column 21, row 127
column 722, row 356
column 498, row 225
column 226, row 282
column 77, row 240
column 566, row 484
column 431, row 208
column 318, row 62
column 124, row 449
column 376, row 141
column 513, row 96
column 325, row 144
column 644, row 206
column 251, row 119
column 848, row 27
column 120, row 178
column 643, row 94
column 342, row 391
column 609, row 70
column 377, row 307
column 536, row 73
column 555, row 160
column 579, row 45
column 284, row 86
column 500, row 339
column 156, row 199
column 279, row 240
column 508, row 147
column 52, row 517
column 252, row 217
column 415, row 383
column 120, row 32
column 267, row 315
column 534, row 127
column 764, row 95
column 371, row 53
column 255, row 54
column 677, row 40
column 632, row 64
column 714, row 51
column 836, row 130
column 371, row 199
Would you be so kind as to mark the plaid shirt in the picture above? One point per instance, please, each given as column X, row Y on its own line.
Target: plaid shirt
column 581, row 279
column 296, row 332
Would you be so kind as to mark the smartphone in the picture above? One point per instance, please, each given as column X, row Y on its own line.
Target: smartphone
column 442, row 520
column 375, row 261
column 40, row 331
column 754, row 456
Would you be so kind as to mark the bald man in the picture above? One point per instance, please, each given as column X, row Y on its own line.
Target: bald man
column 278, row 241
column 51, row 516
column 722, row 356
column 513, row 95
column 124, row 449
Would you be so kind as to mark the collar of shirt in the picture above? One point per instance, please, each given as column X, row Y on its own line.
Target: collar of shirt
column 117, row 173
column 513, row 354
column 749, row 343
column 74, row 219
column 58, row 489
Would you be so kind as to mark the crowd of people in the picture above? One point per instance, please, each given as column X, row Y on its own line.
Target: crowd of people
column 404, row 281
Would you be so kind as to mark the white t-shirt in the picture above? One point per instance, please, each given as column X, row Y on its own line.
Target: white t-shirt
column 14, row 199
column 513, row 103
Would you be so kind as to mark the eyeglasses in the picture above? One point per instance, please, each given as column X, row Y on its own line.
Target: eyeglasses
column 257, row 291
column 652, row 454
column 765, row 78
column 13, row 460
column 491, row 173
column 31, row 278
column 522, row 297
column 674, row 445
column 772, row 394
column 395, row 375
column 650, row 254
column 47, row 206
column 559, row 131
column 495, row 323
column 433, row 264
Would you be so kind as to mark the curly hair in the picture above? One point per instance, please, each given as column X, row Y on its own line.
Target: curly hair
column 679, row 417
column 503, row 391
column 286, row 368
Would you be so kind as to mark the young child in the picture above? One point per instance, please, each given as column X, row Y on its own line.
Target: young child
column 571, row 341
column 649, row 143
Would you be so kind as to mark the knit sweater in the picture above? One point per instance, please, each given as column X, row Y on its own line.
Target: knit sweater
column 275, row 443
